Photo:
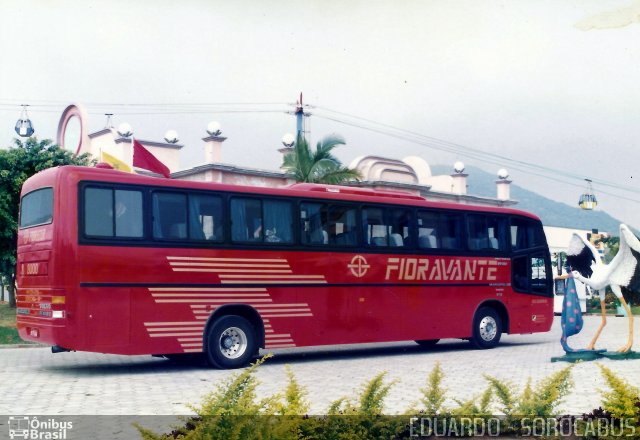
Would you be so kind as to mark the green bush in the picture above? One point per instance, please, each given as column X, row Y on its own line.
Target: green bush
column 622, row 398
column 619, row 416
column 232, row 411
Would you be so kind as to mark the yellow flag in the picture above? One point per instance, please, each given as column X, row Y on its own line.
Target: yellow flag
column 116, row 163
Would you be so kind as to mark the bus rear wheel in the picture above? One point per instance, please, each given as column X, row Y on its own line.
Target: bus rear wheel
column 487, row 328
column 231, row 342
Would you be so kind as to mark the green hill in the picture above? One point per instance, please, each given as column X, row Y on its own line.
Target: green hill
column 551, row 212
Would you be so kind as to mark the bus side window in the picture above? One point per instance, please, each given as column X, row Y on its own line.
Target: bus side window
column 205, row 218
column 169, row 216
column 341, row 226
column 518, row 234
column 246, row 220
column 526, row 234
column 427, row 230
column 311, row 223
column 98, row 209
column 486, row 232
column 98, row 212
column 450, row 228
column 277, row 221
column 399, row 225
column 375, row 229
column 128, row 217
column 112, row 213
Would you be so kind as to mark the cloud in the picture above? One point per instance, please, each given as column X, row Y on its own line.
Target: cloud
column 618, row 18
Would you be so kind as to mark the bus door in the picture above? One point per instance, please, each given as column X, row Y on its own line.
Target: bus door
column 531, row 277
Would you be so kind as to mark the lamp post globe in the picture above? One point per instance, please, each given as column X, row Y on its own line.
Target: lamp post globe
column 213, row 128
column 171, row 136
column 288, row 140
column 125, row 130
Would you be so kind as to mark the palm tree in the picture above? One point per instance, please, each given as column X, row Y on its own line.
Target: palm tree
column 319, row 166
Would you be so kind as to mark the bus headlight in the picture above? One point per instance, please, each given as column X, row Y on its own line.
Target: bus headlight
column 57, row 313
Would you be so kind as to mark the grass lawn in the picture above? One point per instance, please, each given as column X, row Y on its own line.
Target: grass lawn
column 7, row 315
column 8, row 332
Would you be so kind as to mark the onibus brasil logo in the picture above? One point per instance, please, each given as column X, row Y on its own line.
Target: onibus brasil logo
column 24, row 427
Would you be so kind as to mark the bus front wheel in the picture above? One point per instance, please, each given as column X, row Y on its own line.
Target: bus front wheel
column 487, row 328
column 231, row 342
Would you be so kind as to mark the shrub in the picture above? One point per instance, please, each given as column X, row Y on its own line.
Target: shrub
column 434, row 393
column 621, row 398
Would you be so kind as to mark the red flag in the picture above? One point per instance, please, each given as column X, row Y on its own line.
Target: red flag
column 142, row 158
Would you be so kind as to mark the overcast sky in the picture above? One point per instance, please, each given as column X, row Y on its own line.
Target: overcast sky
column 553, row 83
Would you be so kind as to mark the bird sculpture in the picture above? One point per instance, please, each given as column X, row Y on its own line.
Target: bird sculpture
column 622, row 271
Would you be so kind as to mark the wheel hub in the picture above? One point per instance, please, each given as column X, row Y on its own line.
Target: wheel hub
column 488, row 328
column 233, row 343
column 227, row 342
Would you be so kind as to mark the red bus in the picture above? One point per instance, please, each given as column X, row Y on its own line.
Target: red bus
column 127, row 264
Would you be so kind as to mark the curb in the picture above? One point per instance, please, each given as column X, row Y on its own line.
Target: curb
column 5, row 346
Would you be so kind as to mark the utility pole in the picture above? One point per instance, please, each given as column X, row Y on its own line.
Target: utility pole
column 300, row 114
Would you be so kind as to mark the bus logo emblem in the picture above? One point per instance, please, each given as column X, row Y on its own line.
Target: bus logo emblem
column 358, row 266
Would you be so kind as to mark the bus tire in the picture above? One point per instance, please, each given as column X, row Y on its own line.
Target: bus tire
column 487, row 328
column 427, row 343
column 231, row 342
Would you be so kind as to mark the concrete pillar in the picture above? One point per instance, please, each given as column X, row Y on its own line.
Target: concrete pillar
column 503, row 189
column 459, row 183
column 284, row 151
column 213, row 149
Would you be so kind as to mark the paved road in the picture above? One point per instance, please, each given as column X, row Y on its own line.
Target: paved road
column 35, row 381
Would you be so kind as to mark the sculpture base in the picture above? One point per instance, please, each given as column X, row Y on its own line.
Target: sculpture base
column 616, row 356
column 592, row 355
column 578, row 356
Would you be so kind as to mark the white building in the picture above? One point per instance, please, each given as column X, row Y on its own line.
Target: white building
column 412, row 174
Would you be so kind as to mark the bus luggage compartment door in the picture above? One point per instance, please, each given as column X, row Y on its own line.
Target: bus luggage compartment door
column 107, row 317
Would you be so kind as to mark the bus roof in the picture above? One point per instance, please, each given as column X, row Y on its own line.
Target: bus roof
column 301, row 190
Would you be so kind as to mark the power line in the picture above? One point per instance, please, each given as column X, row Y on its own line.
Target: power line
column 468, row 151
column 173, row 108
column 122, row 104
column 535, row 170
column 190, row 112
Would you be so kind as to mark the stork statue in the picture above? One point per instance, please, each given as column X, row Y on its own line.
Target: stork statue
column 623, row 271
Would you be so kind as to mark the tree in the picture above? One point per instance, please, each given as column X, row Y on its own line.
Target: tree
column 17, row 164
column 319, row 166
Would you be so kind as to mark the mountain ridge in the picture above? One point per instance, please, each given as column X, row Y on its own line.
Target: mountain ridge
column 552, row 213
